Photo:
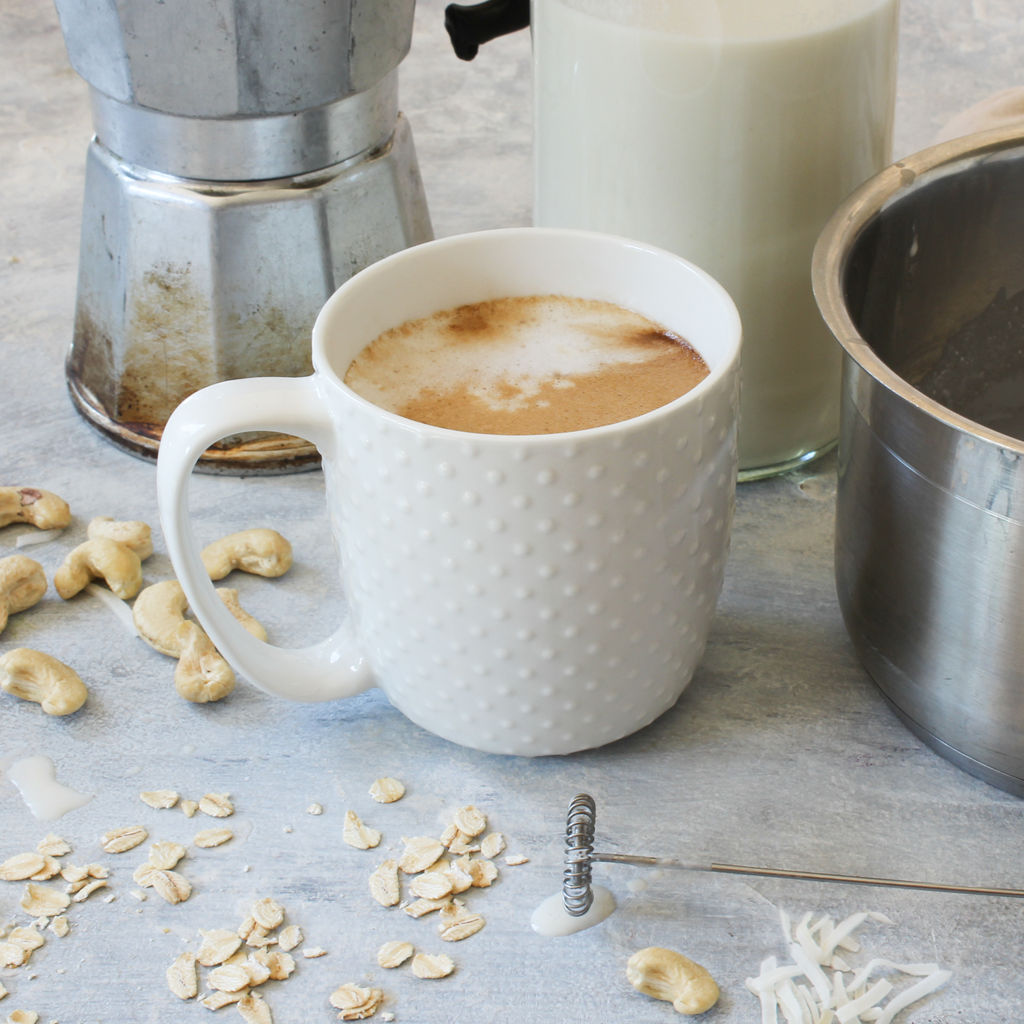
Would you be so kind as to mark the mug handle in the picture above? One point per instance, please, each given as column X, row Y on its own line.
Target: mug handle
column 329, row 670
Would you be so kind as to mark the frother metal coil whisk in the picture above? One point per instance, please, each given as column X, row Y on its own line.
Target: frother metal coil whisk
column 580, row 830
column 579, row 852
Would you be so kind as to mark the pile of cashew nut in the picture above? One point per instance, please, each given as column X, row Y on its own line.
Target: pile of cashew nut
column 114, row 552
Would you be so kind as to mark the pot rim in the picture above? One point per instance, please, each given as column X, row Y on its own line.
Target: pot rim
column 844, row 228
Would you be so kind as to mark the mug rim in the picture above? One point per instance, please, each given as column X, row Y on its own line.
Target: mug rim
column 322, row 367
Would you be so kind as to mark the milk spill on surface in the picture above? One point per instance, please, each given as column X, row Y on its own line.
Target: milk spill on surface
column 47, row 799
column 526, row 365
column 726, row 131
column 552, row 920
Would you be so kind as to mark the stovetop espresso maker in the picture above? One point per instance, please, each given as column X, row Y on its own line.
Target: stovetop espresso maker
column 249, row 158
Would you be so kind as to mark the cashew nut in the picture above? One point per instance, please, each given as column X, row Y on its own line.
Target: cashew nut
column 22, row 584
column 668, row 975
column 230, row 599
column 35, row 676
column 263, row 552
column 30, row 505
column 202, row 674
column 130, row 532
column 117, row 564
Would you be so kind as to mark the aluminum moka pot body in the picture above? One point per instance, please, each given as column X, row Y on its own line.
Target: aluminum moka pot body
column 922, row 261
column 249, row 158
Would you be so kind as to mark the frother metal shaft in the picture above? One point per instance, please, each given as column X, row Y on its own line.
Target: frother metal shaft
column 813, row 876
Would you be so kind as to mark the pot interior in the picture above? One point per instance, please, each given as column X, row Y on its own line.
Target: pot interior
column 935, row 284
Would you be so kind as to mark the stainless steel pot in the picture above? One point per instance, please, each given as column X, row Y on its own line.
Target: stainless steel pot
column 920, row 276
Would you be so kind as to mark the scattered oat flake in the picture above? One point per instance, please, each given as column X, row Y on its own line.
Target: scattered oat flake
column 259, row 972
column 279, row 964
column 27, row 938
column 161, row 799
column 212, row 837
column 492, row 844
column 462, row 844
column 267, row 913
column 431, row 885
column 354, row 1002
column 387, row 1017
column 13, row 955
column 22, row 1017
column 143, row 874
column 51, row 867
column 290, row 937
column 216, row 805
column 139, row 895
column 3, row 991
column 96, row 871
column 461, row 874
column 426, row 966
column 181, row 976
column 516, row 858
column 59, row 926
column 484, row 872
column 469, row 820
column 43, row 900
column 421, row 907
column 53, row 846
column 230, row 978
column 120, row 840
column 254, row 1010
column 218, row 1000
column 387, row 790
column 21, row 866
column 189, row 807
column 312, row 952
column 171, row 886
column 87, row 890
column 394, row 954
column 251, row 933
column 165, row 854
column 217, row 945
column 314, row 809
column 420, row 852
column 384, row 887
column 458, row 923
column 356, row 834
column 74, row 873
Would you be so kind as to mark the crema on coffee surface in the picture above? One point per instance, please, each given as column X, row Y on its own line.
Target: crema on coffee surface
column 540, row 364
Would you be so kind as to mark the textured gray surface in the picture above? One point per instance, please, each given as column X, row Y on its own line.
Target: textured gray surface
column 781, row 751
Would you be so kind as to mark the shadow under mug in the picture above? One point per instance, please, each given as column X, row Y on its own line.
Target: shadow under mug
column 535, row 594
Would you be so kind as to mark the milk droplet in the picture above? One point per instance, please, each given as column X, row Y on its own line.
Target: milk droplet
column 189, row 748
column 46, row 798
column 551, row 919
column 636, row 885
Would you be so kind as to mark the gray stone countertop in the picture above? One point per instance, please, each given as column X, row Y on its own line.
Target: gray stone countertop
column 781, row 752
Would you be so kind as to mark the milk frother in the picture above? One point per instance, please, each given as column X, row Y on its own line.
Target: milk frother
column 580, row 831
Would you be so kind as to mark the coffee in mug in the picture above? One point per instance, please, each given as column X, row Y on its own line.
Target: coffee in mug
column 536, row 364
column 518, row 593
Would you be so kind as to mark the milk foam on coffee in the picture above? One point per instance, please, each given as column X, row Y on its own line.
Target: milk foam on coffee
column 530, row 365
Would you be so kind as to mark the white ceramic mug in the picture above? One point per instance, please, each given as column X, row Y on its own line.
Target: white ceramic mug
column 527, row 595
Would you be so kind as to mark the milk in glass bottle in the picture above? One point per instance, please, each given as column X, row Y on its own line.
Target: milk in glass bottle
column 726, row 131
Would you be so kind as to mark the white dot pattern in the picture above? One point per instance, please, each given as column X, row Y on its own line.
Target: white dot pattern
column 534, row 597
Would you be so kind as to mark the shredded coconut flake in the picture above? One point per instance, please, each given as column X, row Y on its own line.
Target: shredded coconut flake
column 115, row 604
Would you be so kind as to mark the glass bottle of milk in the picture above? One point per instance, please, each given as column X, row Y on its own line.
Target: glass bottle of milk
column 726, row 131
